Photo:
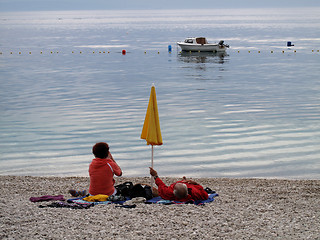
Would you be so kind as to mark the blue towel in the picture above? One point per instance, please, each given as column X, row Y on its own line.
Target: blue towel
column 81, row 201
column 159, row 200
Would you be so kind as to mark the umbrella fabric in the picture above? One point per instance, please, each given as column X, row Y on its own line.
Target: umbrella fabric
column 151, row 128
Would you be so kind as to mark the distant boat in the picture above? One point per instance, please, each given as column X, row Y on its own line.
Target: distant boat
column 201, row 44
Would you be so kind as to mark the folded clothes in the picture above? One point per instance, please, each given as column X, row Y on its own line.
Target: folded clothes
column 47, row 198
column 96, row 198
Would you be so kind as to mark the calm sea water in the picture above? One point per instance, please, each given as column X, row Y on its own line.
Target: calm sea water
column 244, row 114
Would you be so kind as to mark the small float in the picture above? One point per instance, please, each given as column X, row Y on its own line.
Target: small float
column 201, row 44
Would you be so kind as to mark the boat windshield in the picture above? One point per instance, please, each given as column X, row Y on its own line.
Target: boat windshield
column 188, row 41
column 201, row 40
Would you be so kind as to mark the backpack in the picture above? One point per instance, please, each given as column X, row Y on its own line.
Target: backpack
column 124, row 189
column 139, row 191
column 127, row 189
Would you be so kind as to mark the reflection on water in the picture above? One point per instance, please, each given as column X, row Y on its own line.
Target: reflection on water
column 204, row 64
column 202, row 57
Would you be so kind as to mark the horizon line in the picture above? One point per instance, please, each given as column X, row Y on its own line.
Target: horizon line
column 157, row 9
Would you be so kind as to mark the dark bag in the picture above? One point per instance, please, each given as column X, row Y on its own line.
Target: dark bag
column 148, row 192
column 139, row 191
column 124, row 189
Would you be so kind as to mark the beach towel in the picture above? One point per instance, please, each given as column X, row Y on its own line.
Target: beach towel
column 47, row 198
column 156, row 200
column 159, row 200
column 68, row 205
column 82, row 201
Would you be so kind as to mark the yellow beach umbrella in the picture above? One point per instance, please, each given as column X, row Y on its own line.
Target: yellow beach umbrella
column 151, row 128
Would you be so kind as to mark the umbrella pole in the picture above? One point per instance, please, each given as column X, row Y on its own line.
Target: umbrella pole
column 152, row 179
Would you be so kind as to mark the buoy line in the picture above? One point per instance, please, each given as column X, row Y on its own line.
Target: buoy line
column 124, row 52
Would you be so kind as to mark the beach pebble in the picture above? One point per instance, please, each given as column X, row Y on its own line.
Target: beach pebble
column 245, row 209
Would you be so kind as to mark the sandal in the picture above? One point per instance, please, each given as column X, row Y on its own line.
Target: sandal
column 75, row 193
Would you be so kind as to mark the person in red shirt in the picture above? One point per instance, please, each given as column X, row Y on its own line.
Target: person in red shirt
column 183, row 191
column 102, row 169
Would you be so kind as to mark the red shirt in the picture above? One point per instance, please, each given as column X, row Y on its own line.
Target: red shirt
column 195, row 192
column 101, row 173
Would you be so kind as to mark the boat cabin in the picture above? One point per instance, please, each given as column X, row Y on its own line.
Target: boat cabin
column 199, row 40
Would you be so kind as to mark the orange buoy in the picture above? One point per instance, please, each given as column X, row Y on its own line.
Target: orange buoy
column 124, row 52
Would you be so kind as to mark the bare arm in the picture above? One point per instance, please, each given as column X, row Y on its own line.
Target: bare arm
column 110, row 156
column 118, row 170
column 189, row 181
column 164, row 191
column 153, row 172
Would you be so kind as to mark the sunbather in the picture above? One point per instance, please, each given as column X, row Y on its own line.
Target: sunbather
column 101, row 171
column 184, row 190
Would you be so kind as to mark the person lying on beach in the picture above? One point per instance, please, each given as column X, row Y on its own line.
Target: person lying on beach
column 183, row 191
column 101, row 170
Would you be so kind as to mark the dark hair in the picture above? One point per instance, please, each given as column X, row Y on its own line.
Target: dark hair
column 100, row 150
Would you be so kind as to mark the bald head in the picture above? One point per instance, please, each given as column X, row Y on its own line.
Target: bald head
column 180, row 190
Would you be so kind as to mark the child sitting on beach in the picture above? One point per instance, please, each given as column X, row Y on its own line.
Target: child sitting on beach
column 102, row 169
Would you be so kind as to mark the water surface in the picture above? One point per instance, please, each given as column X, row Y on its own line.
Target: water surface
column 236, row 115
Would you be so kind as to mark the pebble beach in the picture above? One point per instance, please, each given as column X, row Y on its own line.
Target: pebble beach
column 244, row 209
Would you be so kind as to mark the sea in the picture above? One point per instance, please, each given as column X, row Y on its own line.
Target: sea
column 253, row 112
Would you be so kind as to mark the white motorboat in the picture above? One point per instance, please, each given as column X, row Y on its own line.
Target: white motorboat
column 201, row 44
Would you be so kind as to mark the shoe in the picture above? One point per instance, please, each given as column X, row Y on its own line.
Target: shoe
column 74, row 193
column 209, row 191
column 116, row 198
column 82, row 193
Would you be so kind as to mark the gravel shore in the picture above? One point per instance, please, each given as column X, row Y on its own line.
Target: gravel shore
column 245, row 209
